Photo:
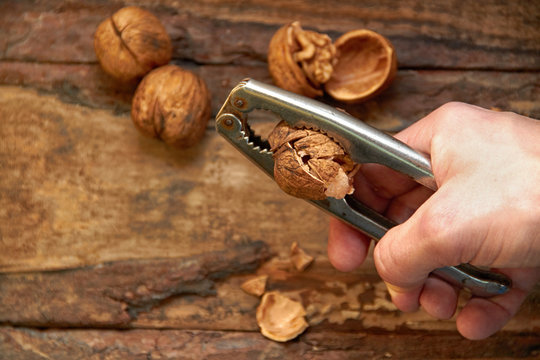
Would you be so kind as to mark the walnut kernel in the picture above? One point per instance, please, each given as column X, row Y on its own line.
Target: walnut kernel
column 131, row 42
column 172, row 104
column 300, row 61
column 316, row 54
column 280, row 318
column 310, row 165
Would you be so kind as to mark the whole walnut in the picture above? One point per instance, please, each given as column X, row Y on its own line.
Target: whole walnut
column 131, row 43
column 172, row 104
column 309, row 164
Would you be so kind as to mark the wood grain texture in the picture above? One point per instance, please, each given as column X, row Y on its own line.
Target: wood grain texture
column 48, row 45
column 81, row 187
column 74, row 192
column 203, row 292
column 112, row 294
column 24, row 343
column 412, row 95
column 116, row 246
column 438, row 34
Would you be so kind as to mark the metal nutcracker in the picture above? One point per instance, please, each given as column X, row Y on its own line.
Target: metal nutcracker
column 363, row 143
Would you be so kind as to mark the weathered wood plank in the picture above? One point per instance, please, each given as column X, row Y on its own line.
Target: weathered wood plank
column 112, row 294
column 203, row 292
column 53, row 154
column 88, row 85
column 411, row 96
column 73, row 191
column 356, row 301
column 73, row 194
column 24, row 343
column 439, row 34
column 82, row 187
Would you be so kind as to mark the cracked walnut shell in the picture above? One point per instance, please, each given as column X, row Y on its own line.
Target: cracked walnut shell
column 310, row 165
column 359, row 65
column 280, row 318
column 172, row 104
column 131, row 42
column 300, row 61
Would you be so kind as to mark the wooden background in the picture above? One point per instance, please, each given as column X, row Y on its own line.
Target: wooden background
column 115, row 246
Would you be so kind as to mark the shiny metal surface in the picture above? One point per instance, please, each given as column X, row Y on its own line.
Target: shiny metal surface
column 362, row 142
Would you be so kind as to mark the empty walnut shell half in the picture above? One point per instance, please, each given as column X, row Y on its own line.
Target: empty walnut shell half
column 281, row 318
column 366, row 65
column 172, row 104
column 310, row 165
column 131, row 42
column 359, row 65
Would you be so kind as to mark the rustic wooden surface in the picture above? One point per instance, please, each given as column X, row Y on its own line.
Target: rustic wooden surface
column 115, row 246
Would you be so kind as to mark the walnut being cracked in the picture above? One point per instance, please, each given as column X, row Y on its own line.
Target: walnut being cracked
column 310, row 165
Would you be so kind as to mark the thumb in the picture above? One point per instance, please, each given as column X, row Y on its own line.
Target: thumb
column 409, row 252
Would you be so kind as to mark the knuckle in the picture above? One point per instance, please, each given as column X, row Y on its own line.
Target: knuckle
column 439, row 235
column 452, row 113
column 434, row 224
column 452, row 106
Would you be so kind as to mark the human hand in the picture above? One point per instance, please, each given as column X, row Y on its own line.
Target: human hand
column 486, row 212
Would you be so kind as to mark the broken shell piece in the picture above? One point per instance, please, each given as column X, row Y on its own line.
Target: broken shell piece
column 299, row 258
column 255, row 286
column 280, row 318
column 310, row 165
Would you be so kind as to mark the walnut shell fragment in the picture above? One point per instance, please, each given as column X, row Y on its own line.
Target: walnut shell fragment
column 358, row 65
column 366, row 65
column 310, row 165
column 255, row 286
column 299, row 258
column 131, row 42
column 281, row 318
column 172, row 104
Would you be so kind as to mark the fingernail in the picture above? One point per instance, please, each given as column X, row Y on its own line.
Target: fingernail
column 405, row 300
column 392, row 290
